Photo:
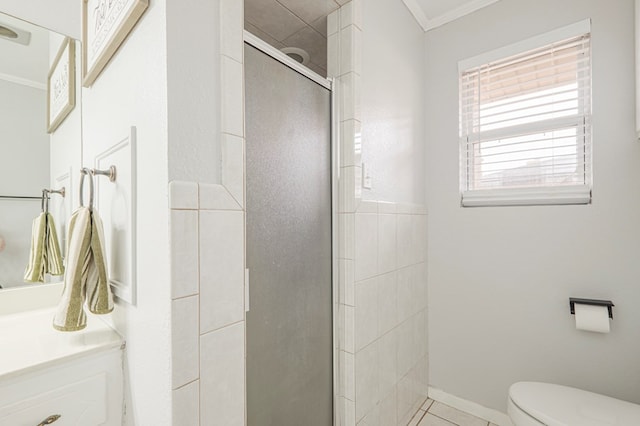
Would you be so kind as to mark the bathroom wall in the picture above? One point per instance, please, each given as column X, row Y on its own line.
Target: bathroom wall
column 22, row 173
column 382, row 245
column 500, row 277
column 393, row 63
column 132, row 91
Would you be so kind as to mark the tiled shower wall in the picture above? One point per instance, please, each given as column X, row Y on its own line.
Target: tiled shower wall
column 383, row 354
column 207, row 274
column 382, row 369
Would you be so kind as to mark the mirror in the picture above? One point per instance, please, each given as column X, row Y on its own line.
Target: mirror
column 30, row 158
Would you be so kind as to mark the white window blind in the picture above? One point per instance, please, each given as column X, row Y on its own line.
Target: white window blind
column 525, row 127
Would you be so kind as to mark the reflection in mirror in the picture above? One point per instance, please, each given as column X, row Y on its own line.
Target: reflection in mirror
column 30, row 158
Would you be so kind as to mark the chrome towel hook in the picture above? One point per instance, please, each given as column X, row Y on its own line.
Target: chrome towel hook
column 86, row 172
column 110, row 172
column 44, row 204
column 90, row 173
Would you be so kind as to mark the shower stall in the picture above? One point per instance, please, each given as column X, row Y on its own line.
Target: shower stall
column 289, row 245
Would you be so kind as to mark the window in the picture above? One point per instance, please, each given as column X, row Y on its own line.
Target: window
column 525, row 122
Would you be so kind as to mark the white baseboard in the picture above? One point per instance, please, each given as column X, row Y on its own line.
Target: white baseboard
column 488, row 414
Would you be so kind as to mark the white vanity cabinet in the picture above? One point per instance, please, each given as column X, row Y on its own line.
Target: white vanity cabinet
column 62, row 379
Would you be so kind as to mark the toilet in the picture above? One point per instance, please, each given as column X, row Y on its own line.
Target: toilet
column 535, row 404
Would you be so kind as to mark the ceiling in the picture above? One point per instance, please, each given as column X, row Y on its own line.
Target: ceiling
column 27, row 64
column 293, row 23
column 303, row 23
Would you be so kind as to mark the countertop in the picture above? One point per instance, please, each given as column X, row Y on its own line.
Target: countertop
column 30, row 343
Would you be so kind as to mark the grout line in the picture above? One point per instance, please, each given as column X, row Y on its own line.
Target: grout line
column 388, row 272
column 409, row 318
column 185, row 297
column 186, row 384
column 430, row 405
column 416, row 414
column 221, row 328
column 442, row 418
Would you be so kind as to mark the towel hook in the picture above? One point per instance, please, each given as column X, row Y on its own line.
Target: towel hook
column 110, row 172
column 88, row 173
column 44, row 204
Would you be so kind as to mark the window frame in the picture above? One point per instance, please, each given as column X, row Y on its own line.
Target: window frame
column 581, row 121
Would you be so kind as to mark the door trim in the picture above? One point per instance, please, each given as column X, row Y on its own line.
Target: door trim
column 284, row 59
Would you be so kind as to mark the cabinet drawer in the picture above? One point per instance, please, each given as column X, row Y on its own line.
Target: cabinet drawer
column 79, row 403
column 84, row 392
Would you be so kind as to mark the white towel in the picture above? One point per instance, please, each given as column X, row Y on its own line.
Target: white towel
column 86, row 275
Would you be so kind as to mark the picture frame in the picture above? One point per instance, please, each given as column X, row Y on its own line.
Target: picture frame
column 105, row 25
column 61, row 85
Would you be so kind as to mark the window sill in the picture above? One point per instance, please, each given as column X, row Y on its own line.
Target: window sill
column 569, row 195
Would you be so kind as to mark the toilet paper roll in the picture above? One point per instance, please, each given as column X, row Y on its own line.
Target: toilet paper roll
column 592, row 318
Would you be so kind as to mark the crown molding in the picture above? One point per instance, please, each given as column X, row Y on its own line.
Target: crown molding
column 429, row 24
column 22, row 81
column 417, row 12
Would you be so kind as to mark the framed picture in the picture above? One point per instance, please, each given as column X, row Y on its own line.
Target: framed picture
column 61, row 85
column 105, row 25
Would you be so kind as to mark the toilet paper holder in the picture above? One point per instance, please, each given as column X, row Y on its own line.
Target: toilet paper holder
column 608, row 303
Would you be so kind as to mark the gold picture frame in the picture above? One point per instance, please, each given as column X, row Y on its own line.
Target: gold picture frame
column 105, row 25
column 61, row 85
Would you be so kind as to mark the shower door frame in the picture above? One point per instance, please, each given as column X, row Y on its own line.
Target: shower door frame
column 332, row 86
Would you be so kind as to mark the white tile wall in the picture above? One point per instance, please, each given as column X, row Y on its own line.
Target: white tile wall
column 221, row 269
column 387, row 302
column 184, row 252
column 388, row 363
column 388, row 408
column 222, row 379
column 183, row 195
column 387, row 231
column 208, row 326
column 390, row 313
column 367, row 380
column 347, row 277
column 207, row 261
column 366, row 312
column 366, row 246
column 186, row 405
column 385, row 244
column 233, row 172
column 184, row 340
column 232, row 40
column 216, row 197
column 232, row 96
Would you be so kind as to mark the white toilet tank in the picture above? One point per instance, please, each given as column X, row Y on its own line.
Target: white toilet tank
column 534, row 404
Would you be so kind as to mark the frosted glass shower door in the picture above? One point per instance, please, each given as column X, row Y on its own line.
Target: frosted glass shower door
column 289, row 324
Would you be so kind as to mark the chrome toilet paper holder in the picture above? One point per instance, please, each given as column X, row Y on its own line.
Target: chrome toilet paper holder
column 595, row 302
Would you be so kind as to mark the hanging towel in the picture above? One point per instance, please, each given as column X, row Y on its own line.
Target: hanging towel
column 86, row 276
column 53, row 256
column 45, row 256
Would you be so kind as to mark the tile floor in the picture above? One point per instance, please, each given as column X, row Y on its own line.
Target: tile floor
column 433, row 413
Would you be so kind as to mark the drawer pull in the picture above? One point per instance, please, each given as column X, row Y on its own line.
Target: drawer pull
column 49, row 420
